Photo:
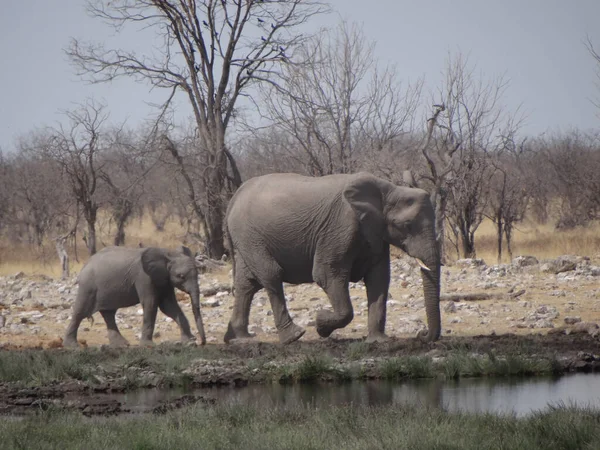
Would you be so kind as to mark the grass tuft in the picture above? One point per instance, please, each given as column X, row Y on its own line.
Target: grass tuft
column 300, row 427
column 312, row 368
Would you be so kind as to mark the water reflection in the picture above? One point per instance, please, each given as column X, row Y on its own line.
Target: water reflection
column 504, row 396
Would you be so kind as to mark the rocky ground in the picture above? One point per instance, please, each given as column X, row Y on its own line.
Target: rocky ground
column 524, row 297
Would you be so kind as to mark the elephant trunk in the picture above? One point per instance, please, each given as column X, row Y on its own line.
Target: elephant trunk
column 431, row 291
column 195, row 295
column 431, row 287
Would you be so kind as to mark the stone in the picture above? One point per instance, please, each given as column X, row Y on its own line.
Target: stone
column 211, row 302
column 524, row 261
column 543, row 323
column 584, row 327
column 450, row 307
column 469, row 263
column 572, row 320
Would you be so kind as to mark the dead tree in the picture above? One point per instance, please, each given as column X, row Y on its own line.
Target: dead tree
column 508, row 194
column 467, row 124
column 337, row 106
column 63, row 256
column 596, row 56
column 213, row 52
column 77, row 147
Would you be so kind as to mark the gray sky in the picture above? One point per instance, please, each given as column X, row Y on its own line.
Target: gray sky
column 538, row 44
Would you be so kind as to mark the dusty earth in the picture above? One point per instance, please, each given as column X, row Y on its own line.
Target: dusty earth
column 524, row 297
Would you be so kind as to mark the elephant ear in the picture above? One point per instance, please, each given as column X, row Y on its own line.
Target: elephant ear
column 156, row 264
column 364, row 195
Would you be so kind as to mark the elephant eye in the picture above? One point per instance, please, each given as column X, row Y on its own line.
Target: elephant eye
column 180, row 276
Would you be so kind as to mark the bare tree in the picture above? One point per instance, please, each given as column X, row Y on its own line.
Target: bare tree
column 574, row 163
column 596, row 56
column 468, row 124
column 508, row 193
column 40, row 198
column 337, row 105
column 5, row 190
column 77, row 148
column 126, row 164
column 211, row 50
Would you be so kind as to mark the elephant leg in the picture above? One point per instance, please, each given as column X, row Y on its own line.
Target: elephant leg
column 170, row 307
column 115, row 338
column 148, row 323
column 84, row 307
column 288, row 331
column 245, row 286
column 377, row 282
column 336, row 287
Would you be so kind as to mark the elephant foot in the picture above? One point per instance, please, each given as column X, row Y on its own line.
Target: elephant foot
column 70, row 343
column 146, row 343
column 328, row 322
column 237, row 334
column 424, row 336
column 189, row 341
column 324, row 330
column 377, row 337
column 117, row 340
column 290, row 333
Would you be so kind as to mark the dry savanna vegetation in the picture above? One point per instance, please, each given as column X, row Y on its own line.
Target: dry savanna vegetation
column 266, row 95
column 530, row 238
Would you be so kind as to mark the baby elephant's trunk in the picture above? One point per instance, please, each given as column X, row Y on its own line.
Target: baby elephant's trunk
column 195, row 295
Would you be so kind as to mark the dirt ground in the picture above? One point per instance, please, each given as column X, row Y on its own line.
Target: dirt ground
column 477, row 300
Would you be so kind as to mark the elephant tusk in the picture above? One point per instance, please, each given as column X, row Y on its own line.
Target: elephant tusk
column 422, row 265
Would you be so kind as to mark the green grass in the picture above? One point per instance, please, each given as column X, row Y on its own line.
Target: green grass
column 313, row 368
column 166, row 366
column 357, row 350
column 348, row 427
column 39, row 367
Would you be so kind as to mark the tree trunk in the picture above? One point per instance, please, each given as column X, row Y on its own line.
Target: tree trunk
column 91, row 238
column 120, row 234
column 508, row 234
column 499, row 233
column 121, row 215
column 63, row 256
column 468, row 243
column 216, row 205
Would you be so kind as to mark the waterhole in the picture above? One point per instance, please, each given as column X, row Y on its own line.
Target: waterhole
column 519, row 396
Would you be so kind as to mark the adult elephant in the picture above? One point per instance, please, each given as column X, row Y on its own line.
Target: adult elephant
column 118, row 277
column 330, row 230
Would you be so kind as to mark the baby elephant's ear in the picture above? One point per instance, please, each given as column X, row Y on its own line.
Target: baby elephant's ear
column 365, row 197
column 186, row 251
column 155, row 264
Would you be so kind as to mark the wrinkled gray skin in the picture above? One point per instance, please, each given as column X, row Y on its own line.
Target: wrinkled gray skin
column 330, row 230
column 118, row 277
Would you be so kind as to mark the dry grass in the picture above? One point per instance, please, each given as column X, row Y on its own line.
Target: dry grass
column 541, row 241
column 44, row 261
column 529, row 238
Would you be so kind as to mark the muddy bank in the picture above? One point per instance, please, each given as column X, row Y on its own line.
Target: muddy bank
column 36, row 380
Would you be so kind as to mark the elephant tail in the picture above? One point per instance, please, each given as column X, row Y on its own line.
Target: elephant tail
column 91, row 319
column 231, row 253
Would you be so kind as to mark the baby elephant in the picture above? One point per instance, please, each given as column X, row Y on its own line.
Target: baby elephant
column 118, row 277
